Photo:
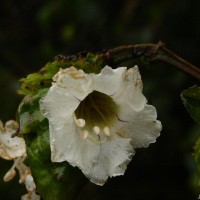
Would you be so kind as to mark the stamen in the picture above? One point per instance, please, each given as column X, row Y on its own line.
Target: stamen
column 96, row 130
column 80, row 122
column 9, row 175
column 106, row 130
column 84, row 134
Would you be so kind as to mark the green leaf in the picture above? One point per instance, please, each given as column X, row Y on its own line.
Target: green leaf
column 43, row 79
column 197, row 158
column 191, row 100
column 36, row 81
column 29, row 114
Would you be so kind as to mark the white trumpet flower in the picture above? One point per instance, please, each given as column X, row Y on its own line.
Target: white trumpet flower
column 97, row 120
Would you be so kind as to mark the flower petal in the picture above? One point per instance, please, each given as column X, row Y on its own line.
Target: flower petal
column 114, row 156
column 75, row 82
column 109, row 80
column 65, row 95
column 67, row 144
column 142, row 127
column 130, row 92
column 97, row 161
column 58, row 103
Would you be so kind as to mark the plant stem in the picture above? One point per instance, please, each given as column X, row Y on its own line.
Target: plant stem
column 152, row 52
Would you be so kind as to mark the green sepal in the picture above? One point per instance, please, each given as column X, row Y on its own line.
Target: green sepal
column 191, row 100
column 54, row 181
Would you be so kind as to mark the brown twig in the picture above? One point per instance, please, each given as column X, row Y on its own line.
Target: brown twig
column 152, row 52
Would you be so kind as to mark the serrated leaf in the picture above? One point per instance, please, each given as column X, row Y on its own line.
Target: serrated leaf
column 191, row 100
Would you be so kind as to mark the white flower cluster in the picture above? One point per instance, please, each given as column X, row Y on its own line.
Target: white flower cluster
column 13, row 148
column 97, row 120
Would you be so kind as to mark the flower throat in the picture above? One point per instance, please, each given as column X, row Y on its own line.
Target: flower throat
column 97, row 109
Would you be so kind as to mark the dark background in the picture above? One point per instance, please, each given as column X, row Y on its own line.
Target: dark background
column 33, row 32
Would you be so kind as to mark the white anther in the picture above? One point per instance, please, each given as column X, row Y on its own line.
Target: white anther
column 9, row 175
column 96, row 130
column 85, row 134
column 106, row 130
column 80, row 123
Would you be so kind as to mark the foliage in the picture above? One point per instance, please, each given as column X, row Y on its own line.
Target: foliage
column 36, row 81
column 191, row 100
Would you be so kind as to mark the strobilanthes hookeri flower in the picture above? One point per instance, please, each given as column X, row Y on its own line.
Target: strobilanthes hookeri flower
column 14, row 148
column 97, row 120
